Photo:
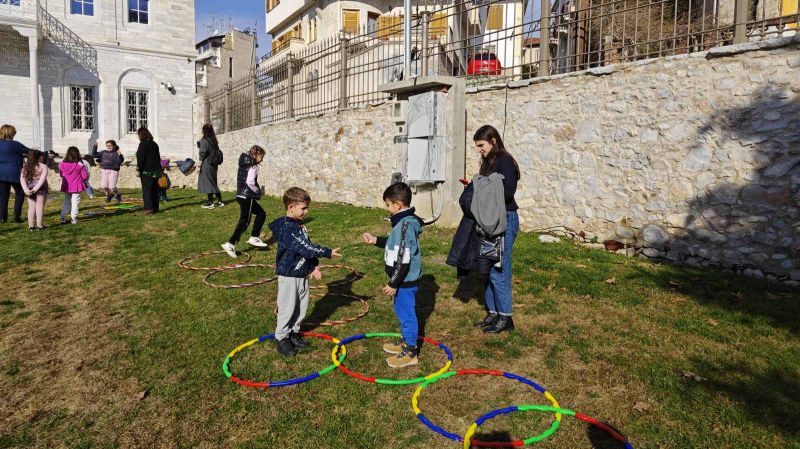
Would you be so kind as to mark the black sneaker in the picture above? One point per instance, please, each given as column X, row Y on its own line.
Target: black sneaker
column 298, row 341
column 488, row 321
column 503, row 324
column 286, row 348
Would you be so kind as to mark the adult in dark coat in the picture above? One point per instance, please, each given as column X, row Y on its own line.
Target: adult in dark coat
column 210, row 158
column 148, row 162
column 464, row 249
column 11, row 155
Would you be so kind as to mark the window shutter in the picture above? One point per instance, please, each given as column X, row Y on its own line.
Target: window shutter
column 350, row 21
column 494, row 21
column 438, row 25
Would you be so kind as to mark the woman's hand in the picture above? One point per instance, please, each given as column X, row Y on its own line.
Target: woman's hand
column 369, row 238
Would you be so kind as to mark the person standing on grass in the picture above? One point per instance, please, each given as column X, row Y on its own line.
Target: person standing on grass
column 88, row 162
column 403, row 264
column 34, row 183
column 111, row 160
column 297, row 259
column 210, row 158
column 73, row 179
column 11, row 154
column 148, row 162
column 248, row 193
column 496, row 159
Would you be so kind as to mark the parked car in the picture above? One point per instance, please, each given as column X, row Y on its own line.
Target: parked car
column 484, row 64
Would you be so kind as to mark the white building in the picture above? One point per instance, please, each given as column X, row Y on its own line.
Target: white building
column 77, row 70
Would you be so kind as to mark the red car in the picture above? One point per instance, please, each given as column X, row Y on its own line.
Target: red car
column 484, row 64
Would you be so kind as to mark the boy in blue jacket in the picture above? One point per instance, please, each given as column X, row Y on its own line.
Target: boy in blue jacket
column 297, row 259
column 403, row 266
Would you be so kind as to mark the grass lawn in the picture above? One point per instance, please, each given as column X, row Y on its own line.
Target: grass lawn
column 106, row 342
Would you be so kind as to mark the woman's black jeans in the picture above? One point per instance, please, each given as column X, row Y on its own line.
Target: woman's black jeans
column 5, row 195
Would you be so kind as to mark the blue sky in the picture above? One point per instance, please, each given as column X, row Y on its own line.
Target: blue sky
column 242, row 14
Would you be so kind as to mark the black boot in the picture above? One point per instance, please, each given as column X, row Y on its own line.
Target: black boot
column 488, row 321
column 503, row 323
column 297, row 341
column 286, row 348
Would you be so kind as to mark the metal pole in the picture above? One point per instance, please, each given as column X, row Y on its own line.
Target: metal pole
column 407, row 39
column 227, row 124
column 740, row 21
column 289, row 85
column 253, row 118
column 342, row 71
column 426, row 20
column 544, row 40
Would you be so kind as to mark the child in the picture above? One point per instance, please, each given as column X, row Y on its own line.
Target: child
column 404, row 266
column 110, row 162
column 88, row 162
column 34, row 183
column 163, row 182
column 296, row 260
column 247, row 194
column 73, row 175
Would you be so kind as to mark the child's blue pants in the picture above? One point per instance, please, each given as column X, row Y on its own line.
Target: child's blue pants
column 404, row 307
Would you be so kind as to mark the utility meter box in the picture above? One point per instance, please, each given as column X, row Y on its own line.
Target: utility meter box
column 426, row 138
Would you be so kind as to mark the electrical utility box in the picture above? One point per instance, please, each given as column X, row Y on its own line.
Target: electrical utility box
column 426, row 138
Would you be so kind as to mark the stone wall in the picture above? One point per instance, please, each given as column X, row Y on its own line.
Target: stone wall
column 693, row 158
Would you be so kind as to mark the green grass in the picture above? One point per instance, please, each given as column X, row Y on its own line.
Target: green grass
column 94, row 315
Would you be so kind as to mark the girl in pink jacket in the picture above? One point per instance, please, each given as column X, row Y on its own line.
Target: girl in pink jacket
column 73, row 175
column 34, row 183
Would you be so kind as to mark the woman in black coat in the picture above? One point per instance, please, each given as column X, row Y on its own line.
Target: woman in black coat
column 148, row 162
column 210, row 158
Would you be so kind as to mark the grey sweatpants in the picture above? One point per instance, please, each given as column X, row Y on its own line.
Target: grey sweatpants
column 292, row 305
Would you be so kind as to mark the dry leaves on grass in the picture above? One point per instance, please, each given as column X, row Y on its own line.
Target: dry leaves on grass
column 141, row 395
column 580, row 265
column 550, row 287
column 674, row 284
column 611, row 281
column 712, row 322
column 642, row 407
column 587, row 297
column 692, row 376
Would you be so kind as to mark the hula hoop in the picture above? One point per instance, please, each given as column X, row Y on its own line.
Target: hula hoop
column 543, row 408
column 282, row 383
column 355, row 276
column 184, row 263
column 455, row 437
column 417, row 380
column 244, row 284
column 363, row 313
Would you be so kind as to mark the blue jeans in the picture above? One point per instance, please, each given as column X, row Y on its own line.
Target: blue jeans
column 498, row 286
column 404, row 307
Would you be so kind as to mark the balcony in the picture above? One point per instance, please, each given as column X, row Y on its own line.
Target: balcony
column 283, row 13
column 19, row 12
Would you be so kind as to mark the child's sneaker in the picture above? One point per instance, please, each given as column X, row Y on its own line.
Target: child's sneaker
column 406, row 357
column 297, row 341
column 286, row 348
column 74, row 221
column 229, row 249
column 208, row 206
column 257, row 242
column 118, row 198
column 394, row 347
column 108, row 198
column 220, row 204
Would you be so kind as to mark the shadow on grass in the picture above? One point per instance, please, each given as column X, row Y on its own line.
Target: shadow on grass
column 500, row 436
column 471, row 286
column 770, row 397
column 426, row 301
column 600, row 439
column 332, row 300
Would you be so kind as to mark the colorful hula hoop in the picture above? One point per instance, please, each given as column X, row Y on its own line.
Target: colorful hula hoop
column 417, row 380
column 543, row 408
column 243, row 284
column 282, row 383
column 185, row 262
column 362, row 314
column 455, row 437
column 352, row 277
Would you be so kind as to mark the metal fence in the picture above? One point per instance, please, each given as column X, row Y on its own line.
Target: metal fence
column 487, row 42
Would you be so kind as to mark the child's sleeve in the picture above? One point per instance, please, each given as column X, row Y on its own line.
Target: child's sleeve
column 252, row 179
column 41, row 181
column 402, row 265
column 84, row 172
column 301, row 245
column 24, row 182
column 380, row 242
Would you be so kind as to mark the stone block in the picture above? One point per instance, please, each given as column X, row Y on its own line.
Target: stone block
column 655, row 236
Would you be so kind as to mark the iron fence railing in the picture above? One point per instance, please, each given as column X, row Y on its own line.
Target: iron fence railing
column 487, row 41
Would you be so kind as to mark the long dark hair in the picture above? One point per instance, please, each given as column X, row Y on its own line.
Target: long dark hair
column 208, row 133
column 73, row 155
column 31, row 164
column 489, row 133
column 144, row 134
column 113, row 144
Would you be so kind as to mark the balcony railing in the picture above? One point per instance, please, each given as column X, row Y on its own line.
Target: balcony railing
column 69, row 42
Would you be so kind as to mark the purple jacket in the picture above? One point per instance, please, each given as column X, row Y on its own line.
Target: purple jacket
column 72, row 176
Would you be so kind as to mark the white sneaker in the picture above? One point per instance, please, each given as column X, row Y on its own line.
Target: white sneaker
column 74, row 221
column 220, row 204
column 208, row 206
column 257, row 242
column 229, row 249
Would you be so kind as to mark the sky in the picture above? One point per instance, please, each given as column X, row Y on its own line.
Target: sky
column 242, row 14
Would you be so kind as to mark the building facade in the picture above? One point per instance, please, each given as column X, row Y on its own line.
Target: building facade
column 224, row 57
column 78, row 70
